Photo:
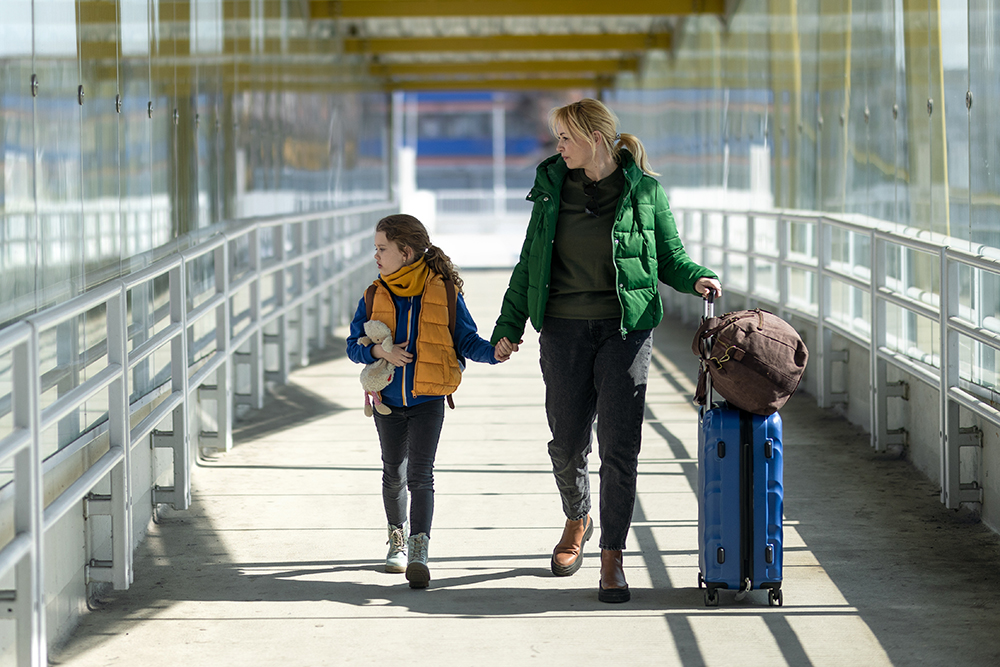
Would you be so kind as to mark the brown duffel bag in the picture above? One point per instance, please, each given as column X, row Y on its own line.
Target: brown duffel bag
column 755, row 359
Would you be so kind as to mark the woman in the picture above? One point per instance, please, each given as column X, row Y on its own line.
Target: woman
column 600, row 235
column 411, row 296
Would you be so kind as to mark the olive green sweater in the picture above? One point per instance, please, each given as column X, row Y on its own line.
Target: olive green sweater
column 583, row 270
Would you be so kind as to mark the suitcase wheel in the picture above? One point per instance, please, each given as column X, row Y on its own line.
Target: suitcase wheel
column 774, row 597
column 711, row 598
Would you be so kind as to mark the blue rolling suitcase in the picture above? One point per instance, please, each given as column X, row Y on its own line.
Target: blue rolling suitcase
column 740, row 501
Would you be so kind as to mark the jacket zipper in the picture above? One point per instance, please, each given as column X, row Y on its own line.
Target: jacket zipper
column 620, row 286
column 547, row 199
column 619, row 214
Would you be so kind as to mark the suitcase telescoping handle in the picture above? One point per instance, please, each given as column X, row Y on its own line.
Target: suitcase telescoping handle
column 706, row 346
column 709, row 299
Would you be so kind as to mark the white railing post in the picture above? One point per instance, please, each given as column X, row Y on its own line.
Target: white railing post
column 280, row 339
column 323, row 322
column 782, row 277
column 877, row 377
column 302, row 328
column 180, row 416
column 949, row 416
column 726, row 239
column 255, row 399
column 119, row 436
column 221, row 440
column 178, row 439
column 29, row 593
column 824, row 337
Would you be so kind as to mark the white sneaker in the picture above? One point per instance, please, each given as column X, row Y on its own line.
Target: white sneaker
column 416, row 569
column 395, row 560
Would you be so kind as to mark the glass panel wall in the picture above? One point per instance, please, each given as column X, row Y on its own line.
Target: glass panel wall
column 155, row 123
column 18, row 235
column 874, row 107
column 132, row 129
column 984, row 132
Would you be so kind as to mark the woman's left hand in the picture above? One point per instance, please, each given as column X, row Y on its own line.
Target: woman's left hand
column 705, row 286
column 503, row 349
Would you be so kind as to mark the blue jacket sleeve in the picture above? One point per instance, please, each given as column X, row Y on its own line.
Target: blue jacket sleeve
column 357, row 353
column 468, row 342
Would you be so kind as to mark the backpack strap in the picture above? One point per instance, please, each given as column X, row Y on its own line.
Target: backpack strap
column 369, row 299
column 449, row 288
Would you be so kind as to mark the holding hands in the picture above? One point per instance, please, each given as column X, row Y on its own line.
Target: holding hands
column 504, row 348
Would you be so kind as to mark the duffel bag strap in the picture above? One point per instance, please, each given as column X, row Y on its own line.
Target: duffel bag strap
column 713, row 325
column 701, row 390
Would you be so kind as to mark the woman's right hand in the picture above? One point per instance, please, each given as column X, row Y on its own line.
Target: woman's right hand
column 398, row 357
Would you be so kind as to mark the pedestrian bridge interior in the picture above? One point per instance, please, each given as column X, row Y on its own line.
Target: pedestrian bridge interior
column 187, row 213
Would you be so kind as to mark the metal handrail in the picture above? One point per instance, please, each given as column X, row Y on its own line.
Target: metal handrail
column 22, row 341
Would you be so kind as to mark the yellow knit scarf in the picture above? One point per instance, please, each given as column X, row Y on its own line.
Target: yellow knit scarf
column 409, row 280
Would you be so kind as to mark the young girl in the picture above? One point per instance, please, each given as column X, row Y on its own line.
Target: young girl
column 411, row 297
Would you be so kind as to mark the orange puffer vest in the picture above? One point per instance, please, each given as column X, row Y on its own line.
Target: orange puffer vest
column 437, row 372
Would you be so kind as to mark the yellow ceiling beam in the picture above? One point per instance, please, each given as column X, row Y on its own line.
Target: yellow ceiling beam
column 546, row 83
column 487, row 43
column 443, row 69
column 187, row 87
column 191, row 69
column 363, row 9
column 629, row 42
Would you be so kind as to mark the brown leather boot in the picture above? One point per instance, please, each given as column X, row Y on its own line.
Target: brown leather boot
column 613, row 587
column 568, row 554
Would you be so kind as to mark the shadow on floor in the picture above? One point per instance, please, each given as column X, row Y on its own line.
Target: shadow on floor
column 285, row 406
column 923, row 579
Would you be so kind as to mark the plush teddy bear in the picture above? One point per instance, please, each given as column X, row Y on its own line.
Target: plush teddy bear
column 377, row 375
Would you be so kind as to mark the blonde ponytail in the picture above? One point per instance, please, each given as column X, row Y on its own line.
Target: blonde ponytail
column 588, row 115
column 638, row 151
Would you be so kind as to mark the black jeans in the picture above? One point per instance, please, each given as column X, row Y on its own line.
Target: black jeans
column 409, row 439
column 591, row 371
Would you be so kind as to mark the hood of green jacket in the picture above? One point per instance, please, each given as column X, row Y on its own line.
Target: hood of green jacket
column 550, row 174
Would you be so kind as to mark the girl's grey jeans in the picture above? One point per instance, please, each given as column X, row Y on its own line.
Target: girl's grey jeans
column 409, row 439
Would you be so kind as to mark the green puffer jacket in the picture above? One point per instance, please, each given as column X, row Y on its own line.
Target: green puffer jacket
column 646, row 247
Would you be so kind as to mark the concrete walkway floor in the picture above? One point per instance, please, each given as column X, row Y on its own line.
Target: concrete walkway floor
column 279, row 561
